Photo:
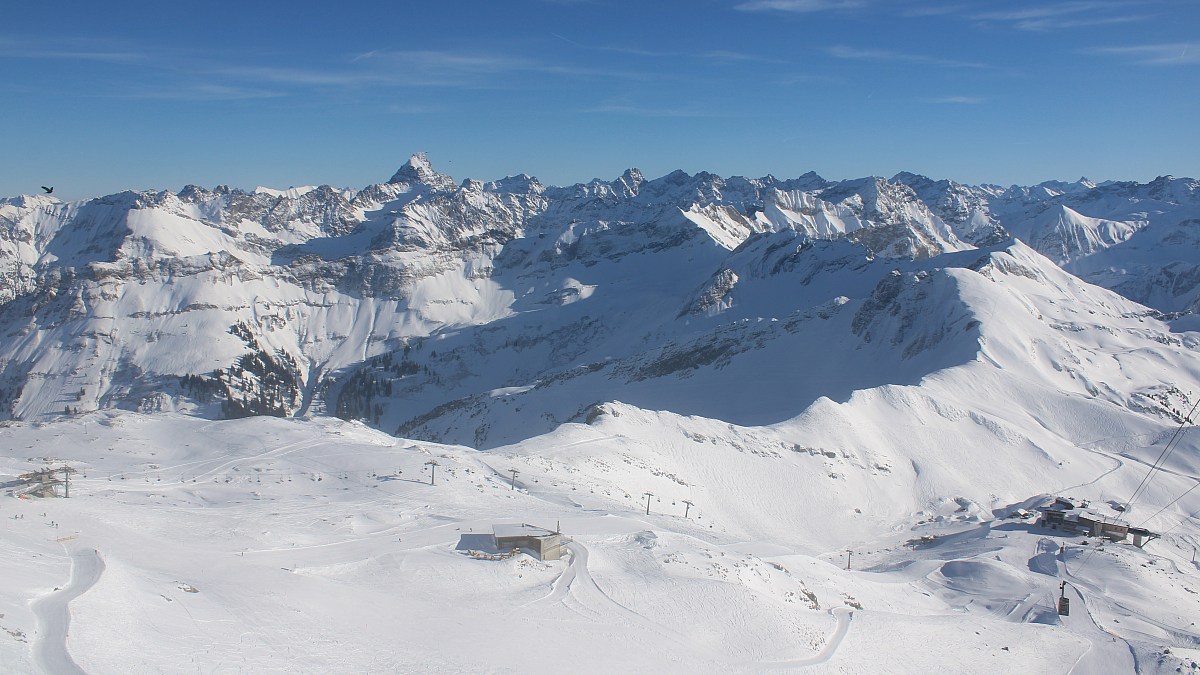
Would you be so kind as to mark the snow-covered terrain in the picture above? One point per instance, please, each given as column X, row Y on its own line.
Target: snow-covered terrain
column 723, row 390
column 266, row 545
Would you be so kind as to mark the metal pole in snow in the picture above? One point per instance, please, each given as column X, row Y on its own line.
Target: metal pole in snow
column 848, row 554
column 648, row 496
column 433, row 465
column 66, row 482
column 514, row 478
column 687, row 508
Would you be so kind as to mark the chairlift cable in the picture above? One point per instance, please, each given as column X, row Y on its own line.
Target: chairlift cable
column 1166, row 452
column 1169, row 504
column 1193, row 515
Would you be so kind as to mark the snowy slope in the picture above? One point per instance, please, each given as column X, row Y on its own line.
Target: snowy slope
column 1137, row 239
column 131, row 291
column 317, row 545
column 815, row 367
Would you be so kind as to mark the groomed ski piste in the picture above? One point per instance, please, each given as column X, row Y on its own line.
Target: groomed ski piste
column 317, row 545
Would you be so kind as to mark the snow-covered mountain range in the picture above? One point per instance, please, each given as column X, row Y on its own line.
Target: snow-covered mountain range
column 892, row 367
column 418, row 299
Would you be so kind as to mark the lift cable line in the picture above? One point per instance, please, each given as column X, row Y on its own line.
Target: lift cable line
column 1162, row 457
column 1170, row 504
column 1172, row 443
column 1193, row 515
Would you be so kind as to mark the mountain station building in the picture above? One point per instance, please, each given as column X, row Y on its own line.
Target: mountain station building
column 543, row 543
column 1069, row 516
column 508, row 540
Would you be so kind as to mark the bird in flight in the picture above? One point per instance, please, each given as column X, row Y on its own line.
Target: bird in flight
column 48, row 190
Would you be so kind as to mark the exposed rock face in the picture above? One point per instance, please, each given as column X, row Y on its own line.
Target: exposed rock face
column 407, row 303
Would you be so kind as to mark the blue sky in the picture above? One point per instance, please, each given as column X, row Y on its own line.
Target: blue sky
column 101, row 97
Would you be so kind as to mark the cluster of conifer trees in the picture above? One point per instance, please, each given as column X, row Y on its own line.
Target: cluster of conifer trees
column 260, row 383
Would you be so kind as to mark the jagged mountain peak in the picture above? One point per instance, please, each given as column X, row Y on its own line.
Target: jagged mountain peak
column 924, row 185
column 521, row 183
column 29, row 201
column 700, row 338
column 909, row 178
column 810, row 180
column 419, row 171
column 440, row 256
column 629, row 182
column 1059, row 187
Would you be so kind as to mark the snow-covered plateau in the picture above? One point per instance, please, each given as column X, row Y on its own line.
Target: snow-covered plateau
column 780, row 424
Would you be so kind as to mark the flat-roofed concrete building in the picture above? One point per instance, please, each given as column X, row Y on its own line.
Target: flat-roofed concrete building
column 543, row 543
column 1067, row 516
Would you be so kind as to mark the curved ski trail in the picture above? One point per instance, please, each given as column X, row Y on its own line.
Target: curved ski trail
column 53, row 614
column 577, row 591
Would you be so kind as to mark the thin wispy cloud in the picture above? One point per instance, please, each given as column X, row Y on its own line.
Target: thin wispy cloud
column 919, row 10
column 567, row 40
column 447, row 62
column 620, row 109
column 451, row 68
column 1042, row 16
column 889, row 56
column 310, row 77
column 112, row 57
column 19, row 49
column 1063, row 24
column 383, row 68
column 726, row 55
column 1170, row 54
column 957, row 100
column 203, row 92
column 794, row 79
column 414, row 109
column 1062, row 15
column 1043, row 11
column 637, row 75
column 711, row 55
column 800, row 6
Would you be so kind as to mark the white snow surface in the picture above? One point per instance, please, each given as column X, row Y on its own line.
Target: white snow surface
column 291, row 193
column 800, row 372
column 315, row 545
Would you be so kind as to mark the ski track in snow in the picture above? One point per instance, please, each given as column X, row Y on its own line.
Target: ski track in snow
column 219, row 464
column 54, row 616
column 576, row 590
column 843, row 615
column 1099, row 597
column 274, row 453
column 1108, row 653
column 1119, row 463
column 609, row 606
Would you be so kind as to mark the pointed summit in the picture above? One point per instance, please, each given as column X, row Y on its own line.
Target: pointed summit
column 418, row 170
column 630, row 182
